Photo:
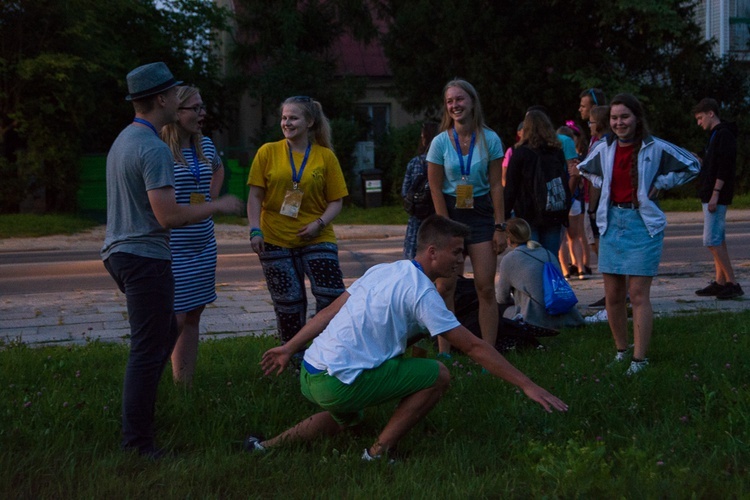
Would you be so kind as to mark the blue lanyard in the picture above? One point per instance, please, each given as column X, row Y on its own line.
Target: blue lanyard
column 146, row 123
column 710, row 139
column 418, row 265
column 296, row 177
column 196, row 168
column 465, row 170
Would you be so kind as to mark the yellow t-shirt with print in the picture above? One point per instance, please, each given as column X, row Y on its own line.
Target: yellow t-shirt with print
column 322, row 182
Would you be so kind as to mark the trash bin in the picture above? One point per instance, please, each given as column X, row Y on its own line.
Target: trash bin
column 372, row 188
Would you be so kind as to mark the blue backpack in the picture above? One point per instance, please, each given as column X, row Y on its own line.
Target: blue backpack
column 559, row 297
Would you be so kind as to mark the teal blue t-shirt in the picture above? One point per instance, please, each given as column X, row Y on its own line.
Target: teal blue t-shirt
column 568, row 147
column 443, row 152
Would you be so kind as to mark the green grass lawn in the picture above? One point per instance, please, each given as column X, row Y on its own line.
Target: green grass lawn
column 33, row 225
column 30, row 225
column 680, row 429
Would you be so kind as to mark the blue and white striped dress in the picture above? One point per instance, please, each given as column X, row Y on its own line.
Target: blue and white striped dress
column 194, row 246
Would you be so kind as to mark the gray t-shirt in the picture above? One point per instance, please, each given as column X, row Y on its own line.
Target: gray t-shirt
column 137, row 162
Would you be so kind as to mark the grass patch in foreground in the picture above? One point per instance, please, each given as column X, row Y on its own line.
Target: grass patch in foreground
column 679, row 429
column 33, row 225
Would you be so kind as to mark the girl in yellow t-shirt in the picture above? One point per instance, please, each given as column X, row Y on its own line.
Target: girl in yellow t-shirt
column 296, row 190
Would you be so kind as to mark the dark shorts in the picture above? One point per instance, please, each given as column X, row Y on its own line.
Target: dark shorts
column 481, row 218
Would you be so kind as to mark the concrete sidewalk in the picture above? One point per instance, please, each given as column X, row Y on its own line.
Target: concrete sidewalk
column 80, row 316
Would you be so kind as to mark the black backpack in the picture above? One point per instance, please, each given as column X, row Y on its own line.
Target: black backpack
column 550, row 193
column 511, row 334
column 418, row 199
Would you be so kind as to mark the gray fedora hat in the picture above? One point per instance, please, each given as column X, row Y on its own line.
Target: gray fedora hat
column 149, row 79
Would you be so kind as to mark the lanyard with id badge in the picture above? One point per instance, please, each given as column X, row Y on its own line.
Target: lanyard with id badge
column 196, row 198
column 293, row 197
column 464, row 189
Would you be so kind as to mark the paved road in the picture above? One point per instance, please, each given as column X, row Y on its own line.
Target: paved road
column 61, row 269
column 66, row 267
column 73, row 300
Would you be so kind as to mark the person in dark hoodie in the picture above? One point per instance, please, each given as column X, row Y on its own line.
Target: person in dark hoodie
column 716, row 189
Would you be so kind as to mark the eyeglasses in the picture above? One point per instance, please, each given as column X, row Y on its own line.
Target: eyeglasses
column 196, row 109
column 593, row 96
column 591, row 123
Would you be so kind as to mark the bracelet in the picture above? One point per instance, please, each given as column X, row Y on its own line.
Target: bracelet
column 255, row 231
column 501, row 226
column 321, row 223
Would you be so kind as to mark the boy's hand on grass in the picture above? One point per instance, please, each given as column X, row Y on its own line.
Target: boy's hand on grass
column 544, row 398
column 275, row 360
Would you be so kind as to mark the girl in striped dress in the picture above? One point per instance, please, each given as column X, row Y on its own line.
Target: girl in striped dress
column 199, row 175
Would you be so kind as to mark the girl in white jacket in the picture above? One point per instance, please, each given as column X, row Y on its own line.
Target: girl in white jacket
column 631, row 167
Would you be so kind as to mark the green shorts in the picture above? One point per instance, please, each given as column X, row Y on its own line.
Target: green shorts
column 395, row 379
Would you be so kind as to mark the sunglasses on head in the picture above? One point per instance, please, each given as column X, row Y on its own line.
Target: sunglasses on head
column 593, row 96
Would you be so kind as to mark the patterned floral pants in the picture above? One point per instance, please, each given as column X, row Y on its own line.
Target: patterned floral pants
column 285, row 270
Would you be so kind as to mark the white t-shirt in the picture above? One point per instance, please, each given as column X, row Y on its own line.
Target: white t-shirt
column 387, row 305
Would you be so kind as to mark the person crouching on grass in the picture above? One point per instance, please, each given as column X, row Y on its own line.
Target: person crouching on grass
column 356, row 357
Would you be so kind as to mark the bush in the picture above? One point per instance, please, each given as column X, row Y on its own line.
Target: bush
column 392, row 153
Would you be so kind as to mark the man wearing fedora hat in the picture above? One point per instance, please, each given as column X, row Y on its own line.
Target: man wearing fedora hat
column 141, row 208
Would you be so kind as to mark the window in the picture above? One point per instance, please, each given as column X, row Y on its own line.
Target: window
column 378, row 118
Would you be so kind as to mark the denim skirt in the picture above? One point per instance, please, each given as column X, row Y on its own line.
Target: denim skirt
column 627, row 248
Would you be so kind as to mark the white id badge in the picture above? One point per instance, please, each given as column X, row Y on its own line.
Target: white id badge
column 292, row 202
column 464, row 196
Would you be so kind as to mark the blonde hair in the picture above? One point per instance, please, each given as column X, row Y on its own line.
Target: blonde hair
column 170, row 132
column 519, row 232
column 313, row 111
column 477, row 118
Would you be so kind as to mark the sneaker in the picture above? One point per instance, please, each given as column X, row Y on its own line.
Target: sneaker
column 621, row 355
column 730, row 291
column 597, row 318
column 366, row 457
column 573, row 270
column 598, row 304
column 636, row 366
column 252, row 444
column 581, row 276
column 587, row 270
column 711, row 290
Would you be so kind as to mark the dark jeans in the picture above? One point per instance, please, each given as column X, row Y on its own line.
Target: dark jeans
column 549, row 237
column 148, row 286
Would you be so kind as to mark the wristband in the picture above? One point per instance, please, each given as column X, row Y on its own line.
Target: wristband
column 321, row 223
column 501, row 227
column 255, row 231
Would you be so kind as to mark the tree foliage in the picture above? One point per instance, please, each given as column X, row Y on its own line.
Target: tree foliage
column 547, row 51
column 62, row 77
column 287, row 47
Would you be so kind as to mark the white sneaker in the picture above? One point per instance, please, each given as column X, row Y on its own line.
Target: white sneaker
column 636, row 366
column 597, row 318
column 620, row 356
column 366, row 457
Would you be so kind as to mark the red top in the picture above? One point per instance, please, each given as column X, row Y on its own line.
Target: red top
column 621, row 190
